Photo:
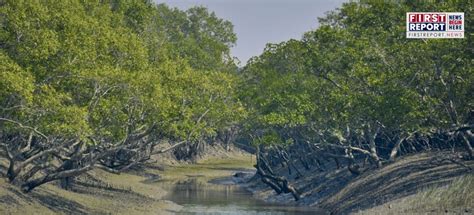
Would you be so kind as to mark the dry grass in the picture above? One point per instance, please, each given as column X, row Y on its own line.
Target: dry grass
column 398, row 180
column 456, row 197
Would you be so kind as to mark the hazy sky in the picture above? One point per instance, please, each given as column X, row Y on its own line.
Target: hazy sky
column 258, row 22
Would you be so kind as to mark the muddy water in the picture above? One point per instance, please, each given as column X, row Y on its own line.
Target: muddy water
column 200, row 197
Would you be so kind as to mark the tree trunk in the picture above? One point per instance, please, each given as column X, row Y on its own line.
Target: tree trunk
column 372, row 146
column 467, row 144
column 30, row 185
column 396, row 147
column 11, row 173
column 279, row 184
column 67, row 182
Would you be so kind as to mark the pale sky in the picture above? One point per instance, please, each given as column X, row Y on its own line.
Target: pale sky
column 258, row 22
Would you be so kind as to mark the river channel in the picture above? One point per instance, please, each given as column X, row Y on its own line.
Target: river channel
column 201, row 197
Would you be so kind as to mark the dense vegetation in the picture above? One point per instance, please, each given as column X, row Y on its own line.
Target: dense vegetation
column 87, row 84
column 356, row 90
column 103, row 84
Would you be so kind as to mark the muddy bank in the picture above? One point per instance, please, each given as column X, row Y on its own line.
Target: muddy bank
column 104, row 196
column 131, row 192
column 238, row 178
column 339, row 191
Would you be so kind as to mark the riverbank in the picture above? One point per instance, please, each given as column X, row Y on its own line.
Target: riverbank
column 131, row 192
column 393, row 188
column 421, row 183
column 106, row 193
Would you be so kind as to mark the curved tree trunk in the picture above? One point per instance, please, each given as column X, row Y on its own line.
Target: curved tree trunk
column 279, row 184
column 465, row 136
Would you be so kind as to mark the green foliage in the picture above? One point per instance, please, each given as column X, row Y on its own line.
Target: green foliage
column 104, row 70
column 16, row 84
column 358, row 71
column 84, row 69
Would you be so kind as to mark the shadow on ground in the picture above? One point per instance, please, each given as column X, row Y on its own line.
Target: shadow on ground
column 341, row 192
column 395, row 181
column 52, row 201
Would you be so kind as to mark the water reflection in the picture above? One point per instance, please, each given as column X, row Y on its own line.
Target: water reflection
column 200, row 197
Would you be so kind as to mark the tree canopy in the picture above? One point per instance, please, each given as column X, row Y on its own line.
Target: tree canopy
column 88, row 84
column 357, row 83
